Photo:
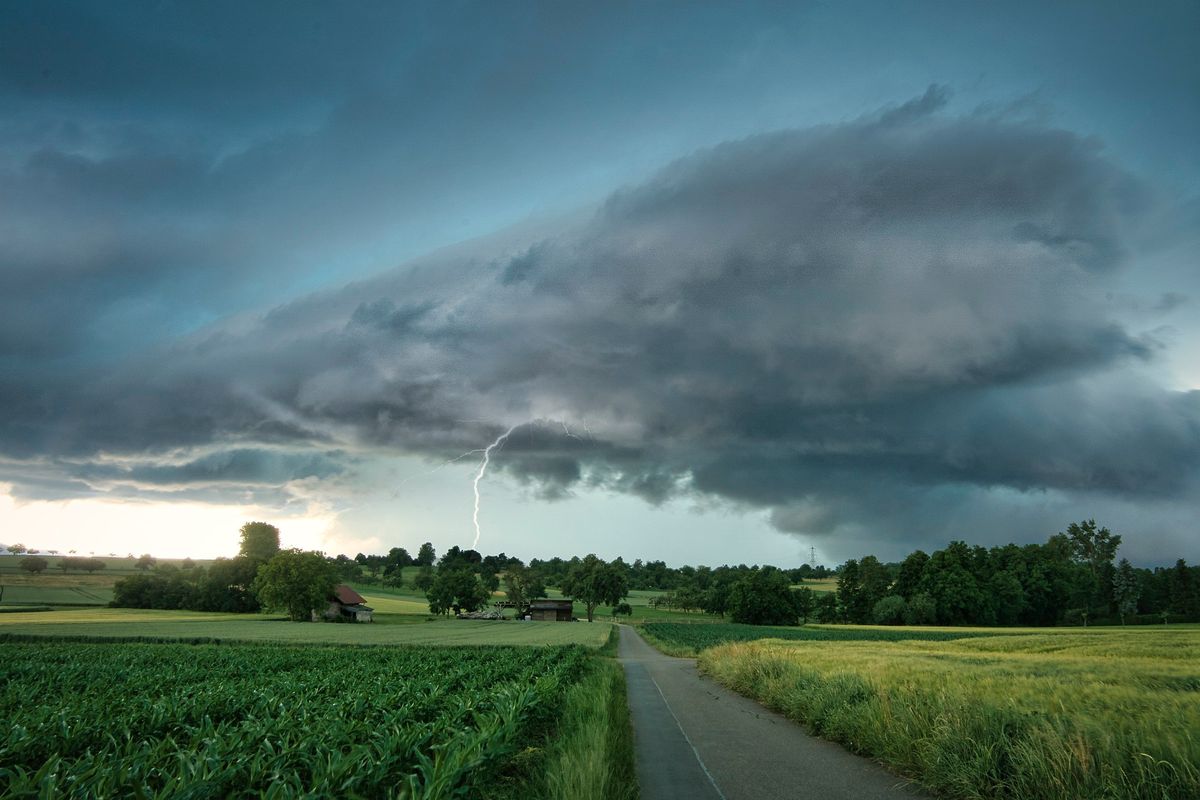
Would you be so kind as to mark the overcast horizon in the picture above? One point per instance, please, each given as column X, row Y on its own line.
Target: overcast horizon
column 727, row 283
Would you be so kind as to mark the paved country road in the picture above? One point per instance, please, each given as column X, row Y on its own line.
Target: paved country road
column 697, row 740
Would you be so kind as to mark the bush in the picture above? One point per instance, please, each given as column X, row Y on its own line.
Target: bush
column 891, row 610
column 922, row 610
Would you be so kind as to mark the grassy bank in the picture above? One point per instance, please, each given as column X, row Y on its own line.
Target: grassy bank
column 592, row 757
column 1050, row 716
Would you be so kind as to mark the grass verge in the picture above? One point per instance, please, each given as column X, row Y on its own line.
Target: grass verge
column 592, row 756
column 1037, row 717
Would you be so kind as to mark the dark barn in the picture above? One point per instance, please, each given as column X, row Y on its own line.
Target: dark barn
column 551, row 610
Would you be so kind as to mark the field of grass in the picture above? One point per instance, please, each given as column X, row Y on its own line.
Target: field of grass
column 680, row 639
column 1052, row 715
column 396, row 629
column 54, row 587
column 214, row 721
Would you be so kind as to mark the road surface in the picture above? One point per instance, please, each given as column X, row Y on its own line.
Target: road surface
column 699, row 741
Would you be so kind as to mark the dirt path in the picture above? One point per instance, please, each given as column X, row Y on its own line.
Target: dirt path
column 699, row 741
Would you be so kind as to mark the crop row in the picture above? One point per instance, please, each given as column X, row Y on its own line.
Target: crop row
column 701, row 636
column 102, row 720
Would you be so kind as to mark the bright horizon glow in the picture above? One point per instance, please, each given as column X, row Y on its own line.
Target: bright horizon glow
column 165, row 530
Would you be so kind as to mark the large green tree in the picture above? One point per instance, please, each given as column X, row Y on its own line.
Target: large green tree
column 1127, row 588
column 1094, row 548
column 260, row 541
column 763, row 597
column 521, row 584
column 595, row 582
column 296, row 581
column 458, row 586
column 426, row 555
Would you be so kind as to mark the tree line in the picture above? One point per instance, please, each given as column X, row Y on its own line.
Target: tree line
column 1071, row 579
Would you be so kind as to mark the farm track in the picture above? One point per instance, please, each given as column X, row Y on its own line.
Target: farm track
column 697, row 740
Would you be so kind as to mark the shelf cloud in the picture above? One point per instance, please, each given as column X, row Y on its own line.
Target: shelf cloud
column 845, row 326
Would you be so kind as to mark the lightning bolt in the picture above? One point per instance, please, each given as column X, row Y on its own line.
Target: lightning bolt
column 483, row 465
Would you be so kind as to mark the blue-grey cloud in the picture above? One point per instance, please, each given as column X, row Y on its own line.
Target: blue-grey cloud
column 826, row 322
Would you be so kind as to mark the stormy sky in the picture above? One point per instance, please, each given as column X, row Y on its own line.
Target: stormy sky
column 736, row 280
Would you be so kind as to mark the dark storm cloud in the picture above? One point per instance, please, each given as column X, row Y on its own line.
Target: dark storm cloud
column 166, row 165
column 832, row 323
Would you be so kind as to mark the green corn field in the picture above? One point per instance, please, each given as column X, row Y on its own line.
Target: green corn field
column 167, row 720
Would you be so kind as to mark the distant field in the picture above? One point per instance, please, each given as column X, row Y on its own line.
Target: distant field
column 74, row 588
column 394, row 629
column 39, row 594
column 820, row 585
column 231, row 721
column 687, row 640
column 1052, row 715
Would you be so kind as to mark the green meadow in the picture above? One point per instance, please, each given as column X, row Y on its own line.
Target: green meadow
column 1047, row 715
column 389, row 629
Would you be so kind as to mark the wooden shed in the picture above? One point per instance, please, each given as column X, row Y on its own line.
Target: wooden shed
column 347, row 604
column 551, row 610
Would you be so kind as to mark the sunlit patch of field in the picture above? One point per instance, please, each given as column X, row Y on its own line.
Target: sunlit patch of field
column 819, row 585
column 1049, row 715
column 395, row 604
column 390, row 629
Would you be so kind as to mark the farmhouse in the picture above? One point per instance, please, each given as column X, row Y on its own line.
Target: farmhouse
column 346, row 604
column 551, row 610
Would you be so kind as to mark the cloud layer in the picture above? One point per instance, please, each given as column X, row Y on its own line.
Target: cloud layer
column 843, row 325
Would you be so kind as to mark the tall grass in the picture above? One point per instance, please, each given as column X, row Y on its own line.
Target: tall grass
column 1112, row 716
column 592, row 757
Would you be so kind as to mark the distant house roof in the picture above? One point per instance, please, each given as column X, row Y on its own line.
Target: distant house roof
column 347, row 596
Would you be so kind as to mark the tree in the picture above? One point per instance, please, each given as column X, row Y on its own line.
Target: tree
column 457, row 557
column 146, row 561
column 491, row 581
column 16, row 549
column 456, row 588
column 1184, row 590
column 827, row 608
column 594, row 582
column 188, row 564
column 397, row 559
column 622, row 608
column 862, row 584
column 260, row 541
column 426, row 555
column 949, row 580
column 90, row 565
column 890, row 610
column 297, row 581
column 227, row 585
column 1126, row 589
column 805, row 601
column 522, row 584
column 1094, row 548
column 424, row 578
column 763, row 597
column 910, row 573
column 921, row 610
column 34, row 564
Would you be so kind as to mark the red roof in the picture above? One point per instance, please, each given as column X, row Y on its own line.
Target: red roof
column 347, row 596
